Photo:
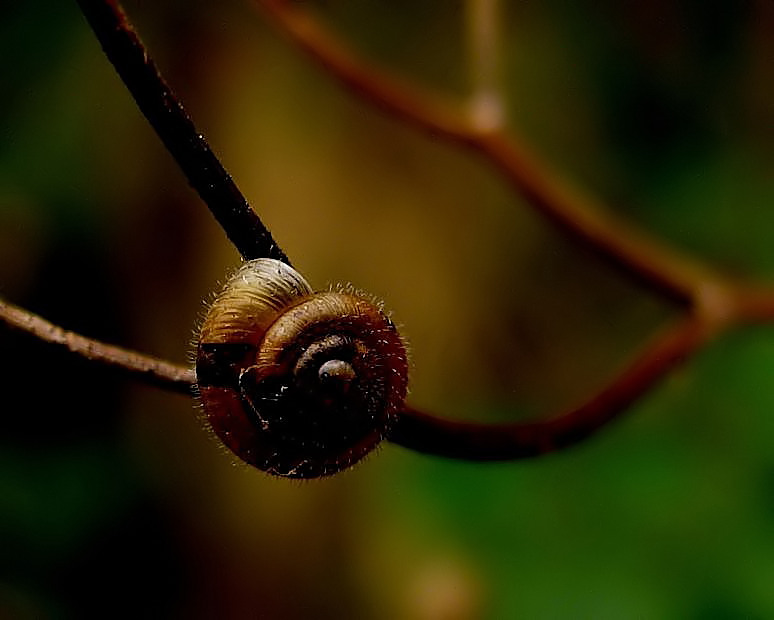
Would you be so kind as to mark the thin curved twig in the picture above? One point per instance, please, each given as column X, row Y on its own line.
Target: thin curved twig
column 167, row 116
column 464, row 440
column 146, row 368
column 663, row 269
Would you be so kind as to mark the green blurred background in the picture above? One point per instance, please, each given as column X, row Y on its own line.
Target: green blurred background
column 114, row 502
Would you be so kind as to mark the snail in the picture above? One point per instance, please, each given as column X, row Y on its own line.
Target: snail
column 298, row 383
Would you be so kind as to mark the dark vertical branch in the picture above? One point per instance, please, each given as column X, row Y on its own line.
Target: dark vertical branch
column 177, row 131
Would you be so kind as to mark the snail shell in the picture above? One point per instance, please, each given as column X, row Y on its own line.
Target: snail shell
column 297, row 383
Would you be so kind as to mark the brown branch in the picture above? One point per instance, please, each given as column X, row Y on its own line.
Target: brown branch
column 394, row 96
column 167, row 116
column 719, row 306
column 582, row 217
column 150, row 370
column 647, row 260
column 466, row 440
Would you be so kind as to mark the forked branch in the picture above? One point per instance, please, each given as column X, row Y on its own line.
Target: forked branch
column 168, row 117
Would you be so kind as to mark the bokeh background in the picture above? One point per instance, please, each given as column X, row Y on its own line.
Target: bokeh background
column 114, row 502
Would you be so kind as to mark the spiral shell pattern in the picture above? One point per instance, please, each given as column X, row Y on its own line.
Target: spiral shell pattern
column 297, row 383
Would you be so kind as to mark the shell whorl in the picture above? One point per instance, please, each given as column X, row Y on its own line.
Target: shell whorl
column 298, row 383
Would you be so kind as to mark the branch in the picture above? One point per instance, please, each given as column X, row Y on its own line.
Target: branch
column 176, row 129
column 582, row 217
column 416, row 430
column 464, row 440
column 147, row 369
